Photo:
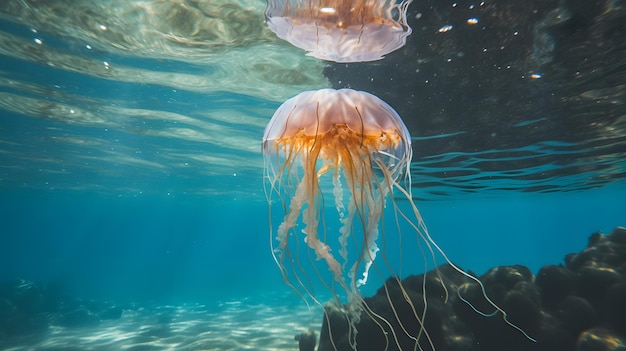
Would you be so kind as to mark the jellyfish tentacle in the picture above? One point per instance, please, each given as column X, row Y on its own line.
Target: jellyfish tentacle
column 283, row 235
column 432, row 243
column 419, row 317
column 474, row 308
column 384, row 186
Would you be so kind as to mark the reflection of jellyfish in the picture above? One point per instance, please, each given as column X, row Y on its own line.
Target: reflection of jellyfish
column 341, row 30
column 351, row 149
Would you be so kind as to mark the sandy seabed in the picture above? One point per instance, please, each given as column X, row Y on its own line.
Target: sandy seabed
column 233, row 325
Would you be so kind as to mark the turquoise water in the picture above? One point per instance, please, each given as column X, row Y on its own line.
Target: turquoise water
column 131, row 167
column 203, row 249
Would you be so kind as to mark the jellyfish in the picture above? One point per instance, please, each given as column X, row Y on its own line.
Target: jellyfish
column 346, row 153
column 341, row 30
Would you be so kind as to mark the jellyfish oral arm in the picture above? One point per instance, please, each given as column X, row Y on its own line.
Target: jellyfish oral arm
column 291, row 218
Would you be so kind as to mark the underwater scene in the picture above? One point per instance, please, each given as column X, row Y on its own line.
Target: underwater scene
column 309, row 175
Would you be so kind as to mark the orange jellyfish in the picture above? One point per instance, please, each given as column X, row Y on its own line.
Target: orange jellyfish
column 349, row 150
column 341, row 30
column 362, row 144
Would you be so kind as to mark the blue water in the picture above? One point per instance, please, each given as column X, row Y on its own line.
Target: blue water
column 199, row 249
column 131, row 169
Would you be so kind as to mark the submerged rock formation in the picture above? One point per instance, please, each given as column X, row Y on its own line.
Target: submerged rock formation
column 579, row 306
column 28, row 309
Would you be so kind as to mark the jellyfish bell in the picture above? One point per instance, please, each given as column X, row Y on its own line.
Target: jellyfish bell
column 341, row 30
column 351, row 150
column 356, row 115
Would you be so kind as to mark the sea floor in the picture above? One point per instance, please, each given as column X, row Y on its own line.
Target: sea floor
column 233, row 325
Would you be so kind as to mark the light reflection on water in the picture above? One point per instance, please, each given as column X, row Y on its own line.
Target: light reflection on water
column 157, row 96
column 171, row 97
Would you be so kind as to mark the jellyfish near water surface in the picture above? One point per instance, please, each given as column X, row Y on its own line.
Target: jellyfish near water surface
column 356, row 145
column 362, row 145
column 350, row 149
column 341, row 30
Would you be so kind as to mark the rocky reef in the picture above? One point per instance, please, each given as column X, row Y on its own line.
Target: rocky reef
column 28, row 309
column 577, row 306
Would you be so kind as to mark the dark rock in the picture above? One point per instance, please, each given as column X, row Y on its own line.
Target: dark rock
column 387, row 316
column 603, row 251
column 580, row 306
column 21, row 310
column 618, row 236
column 593, row 283
column 555, row 283
column 615, row 307
column 307, row 340
column 27, row 309
column 336, row 330
column 600, row 339
column 552, row 336
column 24, row 295
column 576, row 314
column 512, row 289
